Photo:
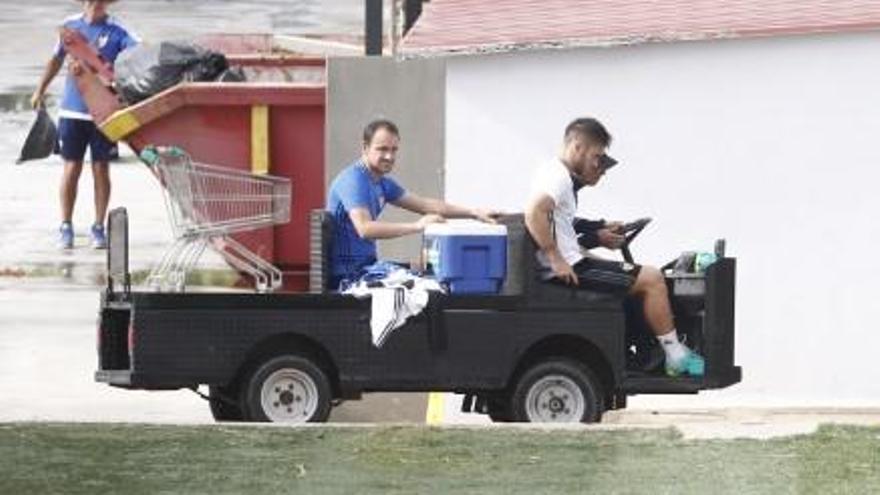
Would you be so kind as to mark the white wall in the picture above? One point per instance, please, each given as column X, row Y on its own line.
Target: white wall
column 771, row 143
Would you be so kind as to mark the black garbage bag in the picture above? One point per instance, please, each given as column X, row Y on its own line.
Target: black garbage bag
column 147, row 69
column 41, row 140
column 232, row 74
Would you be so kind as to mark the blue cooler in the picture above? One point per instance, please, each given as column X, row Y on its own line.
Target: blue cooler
column 469, row 257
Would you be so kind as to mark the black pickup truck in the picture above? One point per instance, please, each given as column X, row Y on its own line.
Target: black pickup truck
column 535, row 352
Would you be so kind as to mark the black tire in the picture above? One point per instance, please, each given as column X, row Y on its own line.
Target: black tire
column 554, row 390
column 289, row 389
column 224, row 402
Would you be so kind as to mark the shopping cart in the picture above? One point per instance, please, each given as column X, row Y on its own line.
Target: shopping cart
column 206, row 204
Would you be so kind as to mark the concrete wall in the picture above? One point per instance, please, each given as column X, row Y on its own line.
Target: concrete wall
column 771, row 143
column 411, row 94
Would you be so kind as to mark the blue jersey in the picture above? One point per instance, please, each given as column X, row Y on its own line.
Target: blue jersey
column 354, row 187
column 109, row 38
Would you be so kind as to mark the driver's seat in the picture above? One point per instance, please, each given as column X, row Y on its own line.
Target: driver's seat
column 523, row 277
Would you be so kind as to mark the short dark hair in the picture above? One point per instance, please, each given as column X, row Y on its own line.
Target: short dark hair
column 589, row 128
column 371, row 129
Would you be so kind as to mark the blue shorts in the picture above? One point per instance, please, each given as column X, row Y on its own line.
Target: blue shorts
column 76, row 135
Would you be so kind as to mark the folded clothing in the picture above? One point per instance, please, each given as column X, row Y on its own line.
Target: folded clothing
column 397, row 294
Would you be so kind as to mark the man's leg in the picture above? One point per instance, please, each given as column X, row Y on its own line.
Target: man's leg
column 74, row 138
column 67, row 198
column 69, row 184
column 73, row 141
column 644, row 281
column 101, row 178
column 102, row 152
column 651, row 285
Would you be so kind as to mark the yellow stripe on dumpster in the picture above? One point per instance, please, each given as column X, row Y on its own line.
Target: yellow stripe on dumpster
column 434, row 415
column 119, row 125
column 260, row 139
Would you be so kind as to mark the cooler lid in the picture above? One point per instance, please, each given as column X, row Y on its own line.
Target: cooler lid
column 465, row 227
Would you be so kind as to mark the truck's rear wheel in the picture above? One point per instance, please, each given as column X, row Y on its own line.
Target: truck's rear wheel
column 557, row 390
column 288, row 389
column 224, row 403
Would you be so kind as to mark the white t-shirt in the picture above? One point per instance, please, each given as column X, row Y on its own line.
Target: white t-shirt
column 552, row 179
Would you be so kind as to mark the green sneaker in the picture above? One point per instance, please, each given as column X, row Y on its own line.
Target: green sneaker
column 691, row 364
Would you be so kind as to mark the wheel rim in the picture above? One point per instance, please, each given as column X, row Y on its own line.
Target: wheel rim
column 555, row 399
column 289, row 395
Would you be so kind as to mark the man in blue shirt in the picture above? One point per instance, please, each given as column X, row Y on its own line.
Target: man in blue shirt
column 360, row 192
column 75, row 127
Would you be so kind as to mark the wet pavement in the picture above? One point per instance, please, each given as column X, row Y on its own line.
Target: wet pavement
column 29, row 192
column 49, row 297
column 47, row 357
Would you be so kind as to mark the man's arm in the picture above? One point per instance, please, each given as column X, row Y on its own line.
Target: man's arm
column 49, row 73
column 373, row 229
column 424, row 206
column 537, row 217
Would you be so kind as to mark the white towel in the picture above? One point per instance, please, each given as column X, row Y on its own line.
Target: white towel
column 400, row 296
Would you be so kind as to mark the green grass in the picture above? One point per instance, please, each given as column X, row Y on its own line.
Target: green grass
column 134, row 459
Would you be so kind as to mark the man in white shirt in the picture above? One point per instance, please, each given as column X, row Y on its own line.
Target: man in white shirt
column 550, row 216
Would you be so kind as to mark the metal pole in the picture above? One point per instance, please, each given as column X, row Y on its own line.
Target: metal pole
column 373, row 26
column 394, row 32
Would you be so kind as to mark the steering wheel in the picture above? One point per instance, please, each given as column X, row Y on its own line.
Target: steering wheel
column 630, row 231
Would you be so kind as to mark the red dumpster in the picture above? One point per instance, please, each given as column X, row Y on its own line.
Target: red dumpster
column 274, row 123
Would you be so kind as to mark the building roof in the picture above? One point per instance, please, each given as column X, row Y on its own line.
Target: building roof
column 479, row 26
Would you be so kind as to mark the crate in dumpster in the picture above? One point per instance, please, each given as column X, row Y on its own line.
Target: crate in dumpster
column 469, row 257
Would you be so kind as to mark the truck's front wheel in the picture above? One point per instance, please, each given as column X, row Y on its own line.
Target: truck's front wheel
column 557, row 390
column 288, row 389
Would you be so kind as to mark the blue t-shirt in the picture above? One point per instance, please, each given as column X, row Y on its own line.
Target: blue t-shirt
column 107, row 36
column 354, row 187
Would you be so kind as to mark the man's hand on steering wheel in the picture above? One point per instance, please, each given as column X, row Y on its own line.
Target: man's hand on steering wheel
column 616, row 227
column 608, row 239
column 611, row 236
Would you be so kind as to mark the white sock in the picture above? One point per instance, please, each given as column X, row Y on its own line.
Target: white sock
column 675, row 350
